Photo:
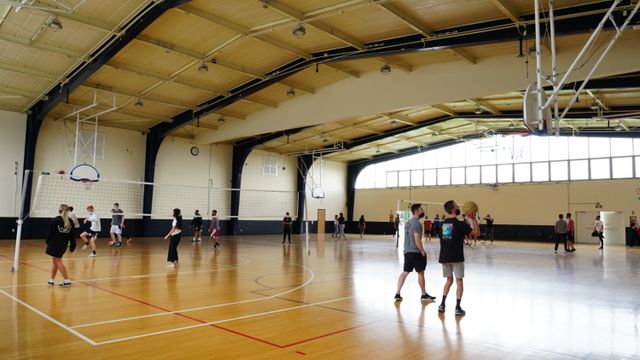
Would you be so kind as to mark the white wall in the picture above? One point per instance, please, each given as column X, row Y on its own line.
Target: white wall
column 12, row 136
column 183, row 179
column 123, row 157
column 332, row 176
column 268, row 196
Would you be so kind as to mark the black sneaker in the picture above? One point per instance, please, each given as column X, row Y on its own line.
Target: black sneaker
column 460, row 312
column 441, row 308
column 398, row 297
column 65, row 283
column 119, row 244
column 427, row 297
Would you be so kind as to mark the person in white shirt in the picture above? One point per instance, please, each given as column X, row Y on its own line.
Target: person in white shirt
column 598, row 229
column 174, row 234
column 94, row 230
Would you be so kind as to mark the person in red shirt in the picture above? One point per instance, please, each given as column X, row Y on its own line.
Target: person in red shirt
column 570, row 233
column 427, row 227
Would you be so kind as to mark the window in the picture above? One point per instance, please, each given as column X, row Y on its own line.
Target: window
column 599, row 147
column 600, row 169
column 269, row 165
column 416, row 178
column 473, row 175
column 457, row 176
column 578, row 147
column 539, row 148
column 522, row 172
column 430, row 178
column 622, row 167
column 404, row 178
column 443, row 156
column 579, row 169
column 540, row 171
column 392, row 179
column 621, row 147
column 489, row 174
column 444, row 176
column 559, row 170
column 505, row 173
column 381, row 176
column 503, row 159
column 458, row 155
column 558, row 148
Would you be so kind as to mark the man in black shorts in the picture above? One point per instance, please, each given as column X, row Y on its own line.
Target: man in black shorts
column 415, row 257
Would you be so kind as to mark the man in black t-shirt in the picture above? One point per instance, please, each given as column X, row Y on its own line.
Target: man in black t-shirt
column 451, row 257
column 286, row 227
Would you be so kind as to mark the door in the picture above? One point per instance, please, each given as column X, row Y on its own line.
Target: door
column 614, row 227
column 584, row 227
column 321, row 219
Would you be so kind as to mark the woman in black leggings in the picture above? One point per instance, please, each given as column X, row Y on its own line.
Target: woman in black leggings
column 174, row 234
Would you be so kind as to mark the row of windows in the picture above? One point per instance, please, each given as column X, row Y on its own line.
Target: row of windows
column 614, row 168
column 564, row 158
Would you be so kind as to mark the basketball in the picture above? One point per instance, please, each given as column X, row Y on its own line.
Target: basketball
column 470, row 208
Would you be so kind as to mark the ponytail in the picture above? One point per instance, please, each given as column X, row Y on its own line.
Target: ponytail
column 64, row 212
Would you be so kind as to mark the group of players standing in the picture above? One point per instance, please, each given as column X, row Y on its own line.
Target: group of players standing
column 65, row 227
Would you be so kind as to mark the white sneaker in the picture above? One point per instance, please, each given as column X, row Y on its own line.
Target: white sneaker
column 85, row 246
column 92, row 255
column 171, row 265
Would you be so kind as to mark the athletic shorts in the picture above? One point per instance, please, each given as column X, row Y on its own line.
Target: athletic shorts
column 93, row 234
column 197, row 228
column 413, row 260
column 116, row 229
column 215, row 233
column 451, row 269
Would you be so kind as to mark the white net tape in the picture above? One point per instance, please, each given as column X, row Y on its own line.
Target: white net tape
column 53, row 190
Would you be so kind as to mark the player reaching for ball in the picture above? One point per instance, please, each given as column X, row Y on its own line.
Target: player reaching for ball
column 452, row 248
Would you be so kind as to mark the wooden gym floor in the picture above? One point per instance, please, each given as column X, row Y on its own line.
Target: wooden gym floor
column 258, row 299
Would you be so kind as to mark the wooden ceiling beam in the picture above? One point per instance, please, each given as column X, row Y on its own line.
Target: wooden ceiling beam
column 507, row 9
column 485, row 105
column 245, row 32
column 41, row 46
column 444, row 109
column 328, row 30
column 418, row 26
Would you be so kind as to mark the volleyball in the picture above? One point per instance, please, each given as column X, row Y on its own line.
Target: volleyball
column 470, row 209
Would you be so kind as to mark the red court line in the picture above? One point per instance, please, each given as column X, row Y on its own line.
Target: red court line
column 301, row 353
column 321, row 336
column 202, row 321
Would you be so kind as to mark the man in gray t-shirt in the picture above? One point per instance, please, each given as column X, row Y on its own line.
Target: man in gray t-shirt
column 561, row 233
column 415, row 257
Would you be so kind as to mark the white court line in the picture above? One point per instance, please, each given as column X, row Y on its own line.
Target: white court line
column 74, row 332
column 226, row 267
column 219, row 321
column 203, row 307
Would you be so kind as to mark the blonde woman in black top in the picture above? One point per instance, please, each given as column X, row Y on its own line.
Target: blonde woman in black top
column 60, row 236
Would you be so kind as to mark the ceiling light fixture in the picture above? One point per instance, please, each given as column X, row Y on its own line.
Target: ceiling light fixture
column 139, row 103
column 477, row 110
column 299, row 31
column 203, row 68
column 221, row 120
column 291, row 92
column 385, row 69
column 55, row 24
